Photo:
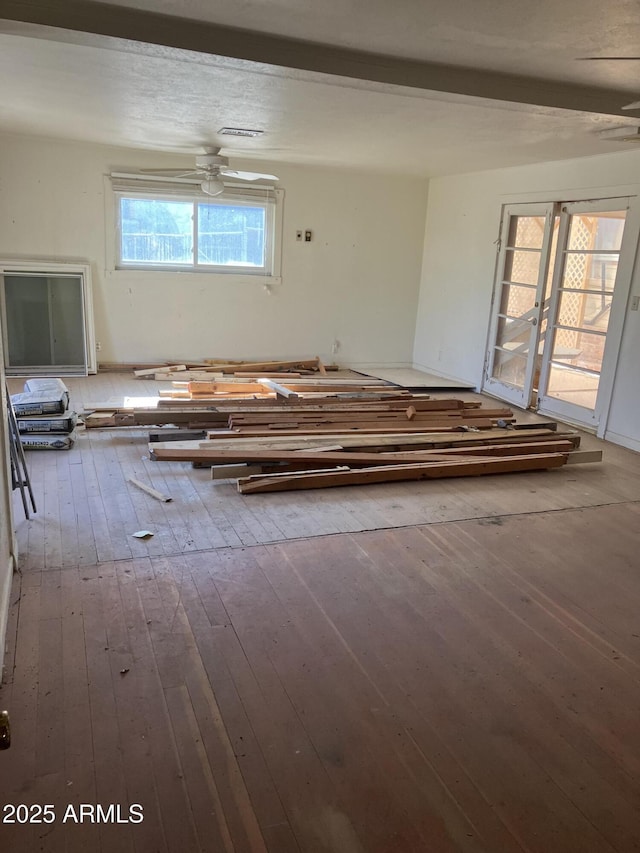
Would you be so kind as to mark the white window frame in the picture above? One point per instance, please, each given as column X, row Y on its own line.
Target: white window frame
column 55, row 268
column 123, row 185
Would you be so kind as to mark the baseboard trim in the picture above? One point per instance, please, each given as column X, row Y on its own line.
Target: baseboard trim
column 5, row 596
column 622, row 440
column 375, row 365
column 418, row 366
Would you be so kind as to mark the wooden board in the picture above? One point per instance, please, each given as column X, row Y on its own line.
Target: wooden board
column 406, row 440
column 356, row 427
column 227, row 367
column 172, row 368
column 163, row 435
column 386, row 474
column 159, row 496
column 281, row 391
column 579, row 457
column 328, row 458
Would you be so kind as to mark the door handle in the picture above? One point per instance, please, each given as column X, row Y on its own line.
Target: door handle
column 534, row 321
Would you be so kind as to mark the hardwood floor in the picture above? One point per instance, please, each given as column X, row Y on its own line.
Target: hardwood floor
column 467, row 685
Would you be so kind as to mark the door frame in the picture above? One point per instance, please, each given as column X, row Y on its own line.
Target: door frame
column 22, row 267
column 583, row 417
column 491, row 385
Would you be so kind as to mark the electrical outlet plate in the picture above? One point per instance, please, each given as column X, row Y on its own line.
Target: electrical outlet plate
column 635, row 303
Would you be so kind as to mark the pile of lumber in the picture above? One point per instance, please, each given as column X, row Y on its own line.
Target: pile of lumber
column 239, row 369
column 305, row 444
column 209, row 403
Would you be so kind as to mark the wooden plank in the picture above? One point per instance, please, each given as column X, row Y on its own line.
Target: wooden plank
column 152, row 371
column 329, row 458
column 391, row 439
column 100, row 419
column 227, row 367
column 281, row 391
column 385, row 474
column 324, row 417
column 578, row 457
column 188, row 375
column 160, row 496
column 175, row 393
column 202, row 388
column 177, row 435
column 371, row 428
column 266, row 374
column 226, row 472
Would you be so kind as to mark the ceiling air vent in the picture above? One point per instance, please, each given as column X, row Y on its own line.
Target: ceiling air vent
column 239, row 131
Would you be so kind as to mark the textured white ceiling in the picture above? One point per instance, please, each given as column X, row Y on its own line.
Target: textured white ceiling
column 104, row 90
column 540, row 38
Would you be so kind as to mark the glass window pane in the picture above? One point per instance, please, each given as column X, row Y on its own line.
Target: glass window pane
column 570, row 385
column 585, row 310
column 583, row 270
column 509, row 368
column 513, row 334
column 155, row 231
column 579, row 349
column 45, row 321
column 597, row 231
column 521, row 267
column 526, row 232
column 517, row 301
column 231, row 235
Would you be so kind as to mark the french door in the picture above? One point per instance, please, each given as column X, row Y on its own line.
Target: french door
column 564, row 275
column 523, row 265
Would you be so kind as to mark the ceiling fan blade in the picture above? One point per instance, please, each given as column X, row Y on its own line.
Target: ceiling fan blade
column 175, row 173
column 635, row 105
column 609, row 58
column 247, row 176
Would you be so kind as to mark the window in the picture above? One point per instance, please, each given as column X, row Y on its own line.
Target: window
column 175, row 227
column 46, row 318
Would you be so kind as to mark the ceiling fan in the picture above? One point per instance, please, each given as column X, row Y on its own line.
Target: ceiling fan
column 212, row 167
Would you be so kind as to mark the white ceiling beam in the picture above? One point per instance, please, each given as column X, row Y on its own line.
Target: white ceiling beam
column 205, row 38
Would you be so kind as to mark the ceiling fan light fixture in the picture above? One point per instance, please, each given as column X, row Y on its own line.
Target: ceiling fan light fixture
column 212, row 186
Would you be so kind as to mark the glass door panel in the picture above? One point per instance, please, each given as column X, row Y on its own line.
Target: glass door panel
column 582, row 303
column 518, row 302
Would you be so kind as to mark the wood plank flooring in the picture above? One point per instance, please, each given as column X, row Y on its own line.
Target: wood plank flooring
column 468, row 687
column 446, row 667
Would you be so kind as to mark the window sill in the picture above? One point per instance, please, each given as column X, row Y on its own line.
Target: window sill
column 149, row 274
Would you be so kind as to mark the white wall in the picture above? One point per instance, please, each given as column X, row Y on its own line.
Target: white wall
column 7, row 540
column 357, row 281
column 463, row 216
